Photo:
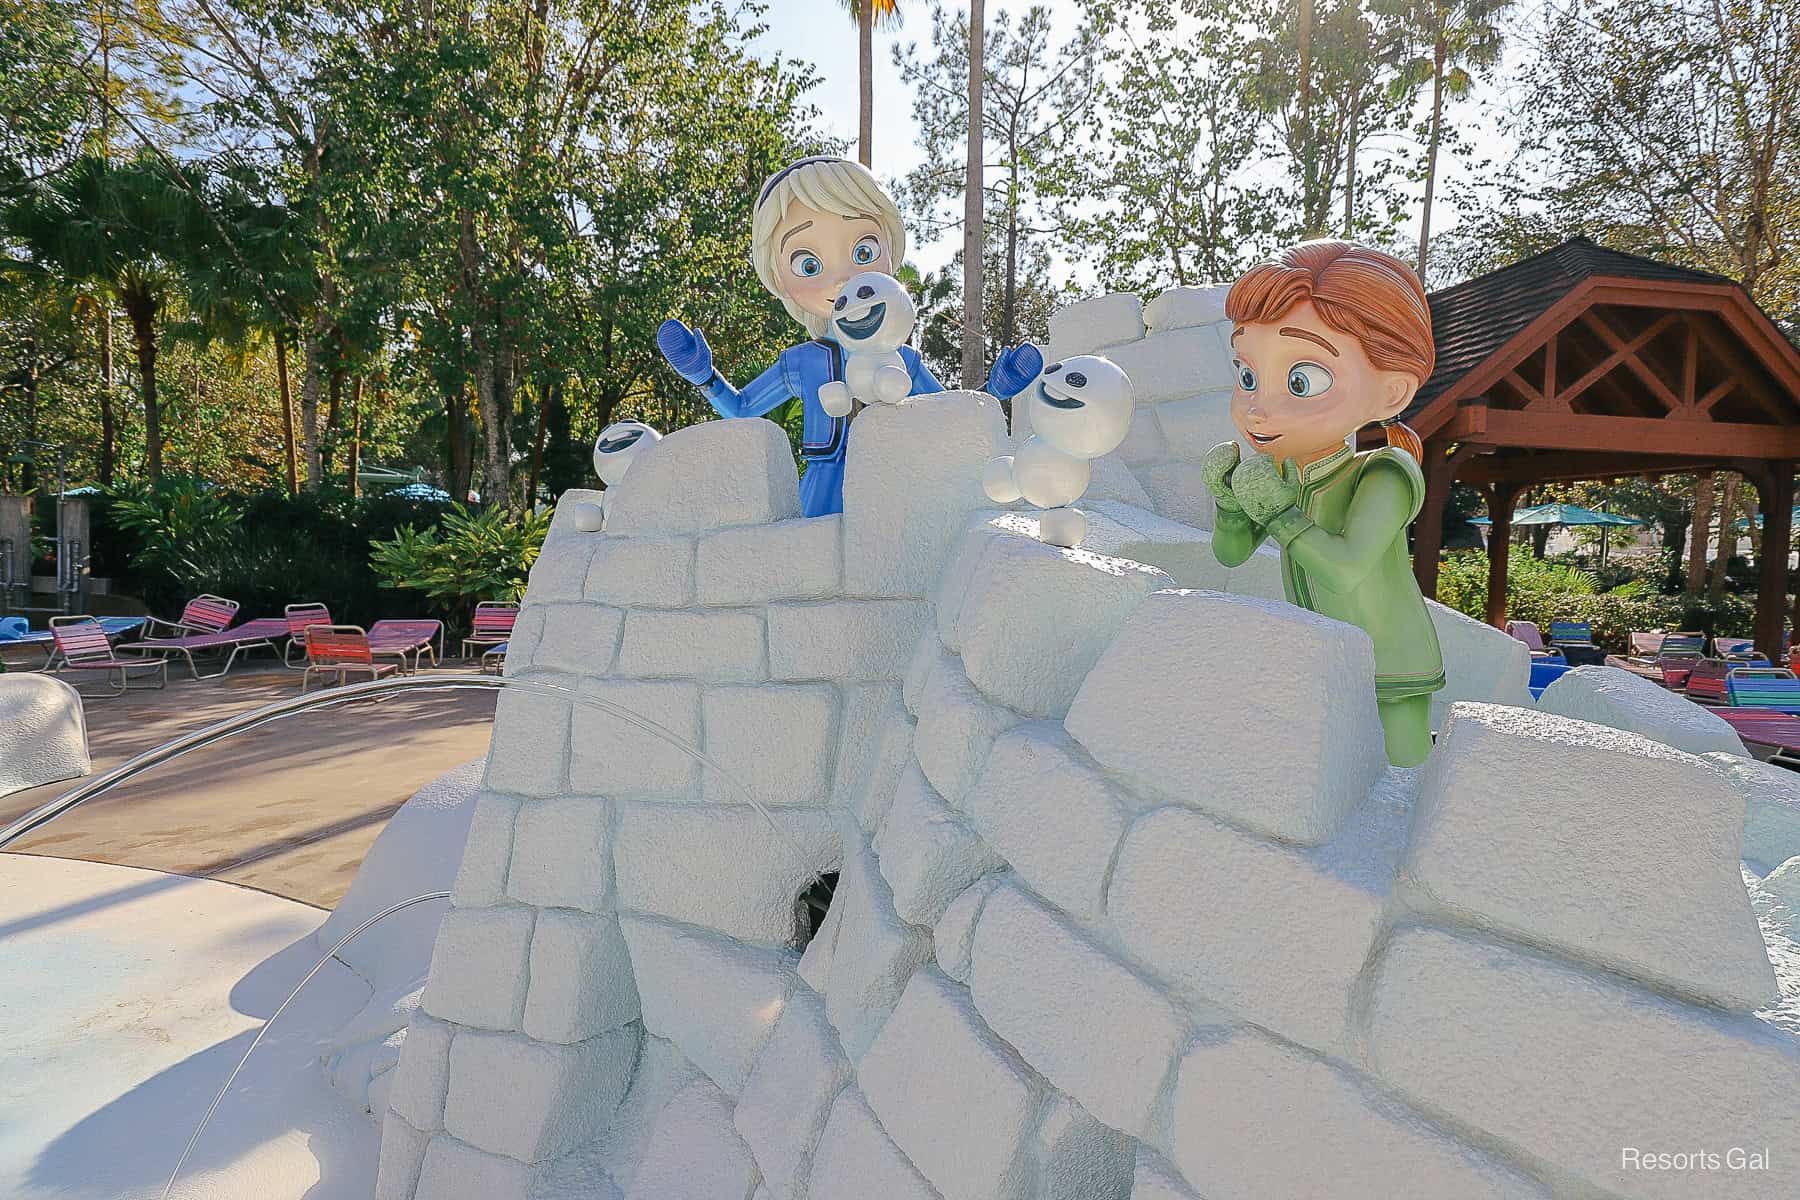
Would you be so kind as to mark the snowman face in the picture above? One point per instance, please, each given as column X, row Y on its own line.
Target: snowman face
column 873, row 314
column 1081, row 405
column 619, row 444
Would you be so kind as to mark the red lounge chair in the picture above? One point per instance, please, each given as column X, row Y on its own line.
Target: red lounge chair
column 400, row 638
column 259, row 634
column 299, row 617
column 82, row 644
column 340, row 649
column 492, row 625
column 1706, row 682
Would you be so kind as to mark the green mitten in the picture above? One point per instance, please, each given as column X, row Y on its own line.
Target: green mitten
column 1268, row 495
column 1216, row 469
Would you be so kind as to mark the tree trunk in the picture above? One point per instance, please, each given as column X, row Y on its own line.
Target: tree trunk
column 865, row 51
column 329, row 440
column 287, row 415
column 974, row 350
column 1701, row 533
column 1350, row 173
column 313, row 366
column 1431, row 155
column 1727, row 538
column 456, row 410
column 141, row 310
column 356, row 395
column 109, row 422
column 537, row 444
column 1010, row 302
column 492, row 396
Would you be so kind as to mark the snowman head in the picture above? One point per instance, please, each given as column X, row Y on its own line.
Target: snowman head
column 618, row 445
column 873, row 314
column 1081, row 405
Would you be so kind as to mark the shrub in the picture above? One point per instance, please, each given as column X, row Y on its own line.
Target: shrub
column 471, row 556
column 1463, row 580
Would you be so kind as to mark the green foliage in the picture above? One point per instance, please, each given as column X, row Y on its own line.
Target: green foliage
column 1462, row 580
column 471, row 556
column 183, row 529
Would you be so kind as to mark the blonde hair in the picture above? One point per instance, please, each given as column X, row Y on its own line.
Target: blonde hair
column 1362, row 293
column 831, row 185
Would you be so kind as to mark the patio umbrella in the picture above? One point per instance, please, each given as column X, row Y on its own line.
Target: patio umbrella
column 1566, row 514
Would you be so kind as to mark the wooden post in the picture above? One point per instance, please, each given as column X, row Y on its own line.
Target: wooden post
column 1428, row 527
column 1500, row 513
column 1777, row 503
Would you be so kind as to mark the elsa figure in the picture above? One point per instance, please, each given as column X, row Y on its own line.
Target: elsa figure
column 817, row 223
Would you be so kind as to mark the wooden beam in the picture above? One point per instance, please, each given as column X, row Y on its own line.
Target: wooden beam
column 1551, row 466
column 1690, row 369
column 1533, row 398
column 1550, row 364
column 1727, row 358
column 1645, row 435
column 1776, row 499
column 1717, row 393
column 1470, row 422
column 1623, row 352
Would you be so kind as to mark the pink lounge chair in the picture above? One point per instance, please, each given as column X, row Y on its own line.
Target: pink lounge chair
column 493, row 624
column 340, row 649
column 205, row 613
column 299, row 616
column 1527, row 632
column 82, row 644
column 259, row 634
column 399, row 638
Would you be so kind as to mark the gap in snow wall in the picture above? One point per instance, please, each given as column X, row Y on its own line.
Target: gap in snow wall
column 1129, row 903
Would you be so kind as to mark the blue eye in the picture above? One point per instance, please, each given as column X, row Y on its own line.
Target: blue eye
column 806, row 264
column 1308, row 379
column 1246, row 378
column 866, row 252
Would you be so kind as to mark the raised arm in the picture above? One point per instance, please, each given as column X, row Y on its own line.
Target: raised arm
column 688, row 353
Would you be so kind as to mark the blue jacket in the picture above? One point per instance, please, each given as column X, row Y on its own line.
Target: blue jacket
column 799, row 372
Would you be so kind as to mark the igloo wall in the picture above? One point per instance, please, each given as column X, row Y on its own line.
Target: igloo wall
column 1129, row 903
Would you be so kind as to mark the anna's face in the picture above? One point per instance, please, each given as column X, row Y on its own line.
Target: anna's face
column 819, row 251
column 1303, row 387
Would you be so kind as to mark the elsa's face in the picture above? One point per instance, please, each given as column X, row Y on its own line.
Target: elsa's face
column 817, row 252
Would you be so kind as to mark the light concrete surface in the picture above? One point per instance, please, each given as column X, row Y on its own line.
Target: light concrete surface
column 290, row 808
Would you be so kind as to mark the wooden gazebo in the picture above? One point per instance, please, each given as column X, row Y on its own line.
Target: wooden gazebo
column 1585, row 363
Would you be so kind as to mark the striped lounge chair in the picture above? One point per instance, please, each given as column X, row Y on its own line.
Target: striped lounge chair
column 299, row 617
column 340, row 650
column 82, row 644
column 1706, row 681
column 259, row 634
column 493, row 624
column 403, row 638
column 1576, row 641
column 1763, row 687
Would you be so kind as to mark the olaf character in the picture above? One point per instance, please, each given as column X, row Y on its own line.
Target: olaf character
column 870, row 321
column 615, row 450
column 1080, row 409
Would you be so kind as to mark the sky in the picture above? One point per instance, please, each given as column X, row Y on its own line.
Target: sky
column 821, row 33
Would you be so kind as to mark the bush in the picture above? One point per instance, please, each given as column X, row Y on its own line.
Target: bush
column 472, row 556
column 1463, row 580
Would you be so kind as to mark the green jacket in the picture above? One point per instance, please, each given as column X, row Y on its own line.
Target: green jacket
column 1344, row 555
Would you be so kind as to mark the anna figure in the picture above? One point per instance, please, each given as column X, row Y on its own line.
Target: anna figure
column 816, row 223
column 1329, row 337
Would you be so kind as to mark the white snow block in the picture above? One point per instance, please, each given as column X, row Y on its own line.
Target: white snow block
column 1275, row 934
column 1035, row 619
column 1154, row 1179
column 773, row 743
column 480, row 965
column 1177, row 491
column 729, row 868
column 927, row 654
column 955, row 1098
column 1251, row 1117
column 1173, row 364
column 579, row 638
column 1641, row 875
column 874, row 955
column 481, row 877
column 402, row 1157
column 1264, row 713
column 1481, row 663
column 857, row 1158
column 724, row 644
column 1089, row 325
column 581, row 981
column 43, row 733
column 1181, row 552
column 787, row 1099
column 1195, row 424
column 1090, row 1024
column 1078, row 1158
column 1180, row 307
column 717, row 999
column 1110, row 478
column 1514, row 1045
column 845, row 639
column 529, row 750
column 694, row 1153
column 1144, row 441
column 790, row 560
column 560, row 572
column 1771, row 808
column 982, row 532
column 912, row 478
column 522, row 644
column 562, row 854
column 530, row 1101
column 646, row 572
column 1051, row 815
column 928, row 854
column 640, row 743
column 662, row 1073
column 956, row 729
column 454, row 1170
column 1616, row 697
column 953, row 937
column 422, row 1077
column 707, row 476
column 874, row 745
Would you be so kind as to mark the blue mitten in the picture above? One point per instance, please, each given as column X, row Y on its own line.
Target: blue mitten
column 687, row 351
column 1014, row 369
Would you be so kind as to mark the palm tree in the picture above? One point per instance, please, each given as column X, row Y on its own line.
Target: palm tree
column 974, row 350
column 122, row 227
column 868, row 14
column 1452, row 36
